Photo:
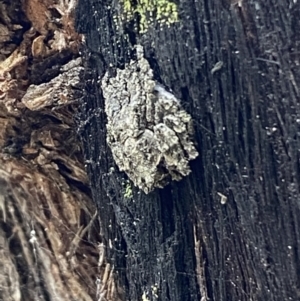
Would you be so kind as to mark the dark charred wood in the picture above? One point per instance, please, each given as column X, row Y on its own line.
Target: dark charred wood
column 231, row 229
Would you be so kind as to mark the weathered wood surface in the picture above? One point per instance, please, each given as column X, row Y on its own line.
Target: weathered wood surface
column 230, row 230
column 50, row 243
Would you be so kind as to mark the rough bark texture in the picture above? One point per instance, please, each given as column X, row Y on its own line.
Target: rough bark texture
column 231, row 229
column 50, row 242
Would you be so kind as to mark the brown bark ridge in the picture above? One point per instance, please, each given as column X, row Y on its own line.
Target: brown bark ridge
column 50, row 241
column 231, row 229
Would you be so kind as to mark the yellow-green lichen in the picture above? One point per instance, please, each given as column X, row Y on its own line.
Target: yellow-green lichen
column 127, row 192
column 162, row 11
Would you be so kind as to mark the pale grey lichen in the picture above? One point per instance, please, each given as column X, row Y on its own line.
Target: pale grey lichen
column 149, row 133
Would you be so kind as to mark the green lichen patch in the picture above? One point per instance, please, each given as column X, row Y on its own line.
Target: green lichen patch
column 127, row 192
column 148, row 11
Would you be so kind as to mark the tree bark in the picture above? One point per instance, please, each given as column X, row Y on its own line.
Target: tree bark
column 50, row 243
column 230, row 230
